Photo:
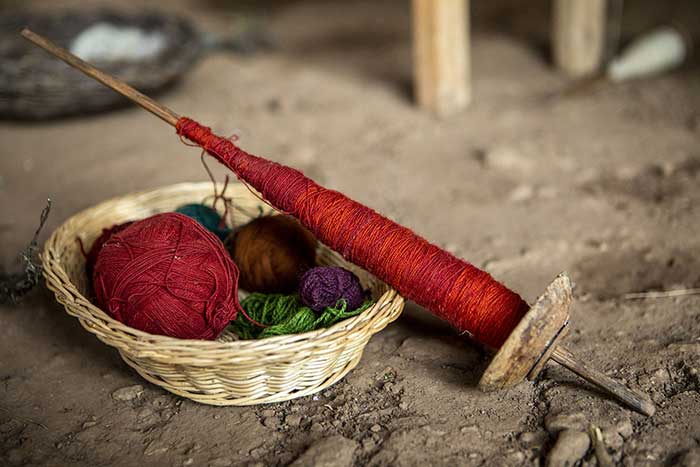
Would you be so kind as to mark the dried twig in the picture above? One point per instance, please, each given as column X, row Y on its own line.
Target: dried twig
column 662, row 294
column 14, row 286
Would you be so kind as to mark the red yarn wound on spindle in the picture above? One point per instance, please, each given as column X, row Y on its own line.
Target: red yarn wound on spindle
column 470, row 299
column 168, row 275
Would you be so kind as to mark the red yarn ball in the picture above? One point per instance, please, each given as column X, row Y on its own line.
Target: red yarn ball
column 97, row 245
column 168, row 275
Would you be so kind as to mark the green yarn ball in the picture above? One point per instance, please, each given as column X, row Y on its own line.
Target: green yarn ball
column 285, row 314
column 208, row 217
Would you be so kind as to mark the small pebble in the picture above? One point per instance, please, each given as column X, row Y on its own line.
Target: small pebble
column 272, row 422
column 257, row 452
column 554, row 423
column 376, row 428
column 317, row 427
column 473, row 429
column 506, row 158
column 661, row 376
column 267, row 413
column 522, row 193
column 569, row 448
column 625, row 428
column 293, row 420
column 128, row 393
column 194, row 448
column 335, row 451
column 533, row 438
column 612, row 438
column 144, row 413
column 162, row 401
column 188, row 461
column 368, row 444
column 220, row 462
column 28, row 165
column 154, row 449
column 515, row 458
column 690, row 458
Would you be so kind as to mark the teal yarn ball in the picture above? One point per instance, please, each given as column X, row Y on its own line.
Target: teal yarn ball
column 208, row 217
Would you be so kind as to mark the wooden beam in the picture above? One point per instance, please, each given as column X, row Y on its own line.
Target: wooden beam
column 441, row 55
column 578, row 35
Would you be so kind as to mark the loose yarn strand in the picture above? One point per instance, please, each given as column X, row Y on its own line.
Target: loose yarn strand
column 218, row 196
column 227, row 202
column 233, row 139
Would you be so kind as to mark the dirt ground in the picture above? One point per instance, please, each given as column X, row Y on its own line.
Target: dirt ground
column 604, row 185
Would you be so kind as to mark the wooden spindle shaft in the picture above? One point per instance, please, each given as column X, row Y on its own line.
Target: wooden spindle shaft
column 120, row 86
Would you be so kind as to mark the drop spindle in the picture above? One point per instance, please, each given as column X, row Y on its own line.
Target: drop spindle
column 533, row 342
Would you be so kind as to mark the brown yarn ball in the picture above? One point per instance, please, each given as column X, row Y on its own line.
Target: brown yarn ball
column 272, row 252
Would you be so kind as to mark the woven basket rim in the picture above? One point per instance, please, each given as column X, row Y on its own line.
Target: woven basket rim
column 135, row 338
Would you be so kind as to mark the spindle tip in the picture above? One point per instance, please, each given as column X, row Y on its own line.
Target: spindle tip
column 634, row 399
column 536, row 339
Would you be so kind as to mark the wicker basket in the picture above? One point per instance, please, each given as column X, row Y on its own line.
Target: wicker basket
column 226, row 371
column 36, row 86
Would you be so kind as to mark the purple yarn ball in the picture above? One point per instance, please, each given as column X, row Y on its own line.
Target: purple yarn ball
column 323, row 286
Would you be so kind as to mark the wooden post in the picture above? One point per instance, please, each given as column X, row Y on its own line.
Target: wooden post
column 441, row 55
column 578, row 35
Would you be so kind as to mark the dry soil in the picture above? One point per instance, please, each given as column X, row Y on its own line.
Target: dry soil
column 603, row 184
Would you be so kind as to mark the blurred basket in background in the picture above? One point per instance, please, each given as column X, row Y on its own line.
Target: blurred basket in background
column 226, row 371
column 35, row 86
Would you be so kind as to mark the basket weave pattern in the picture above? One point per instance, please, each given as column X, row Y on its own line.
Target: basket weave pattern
column 226, row 371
